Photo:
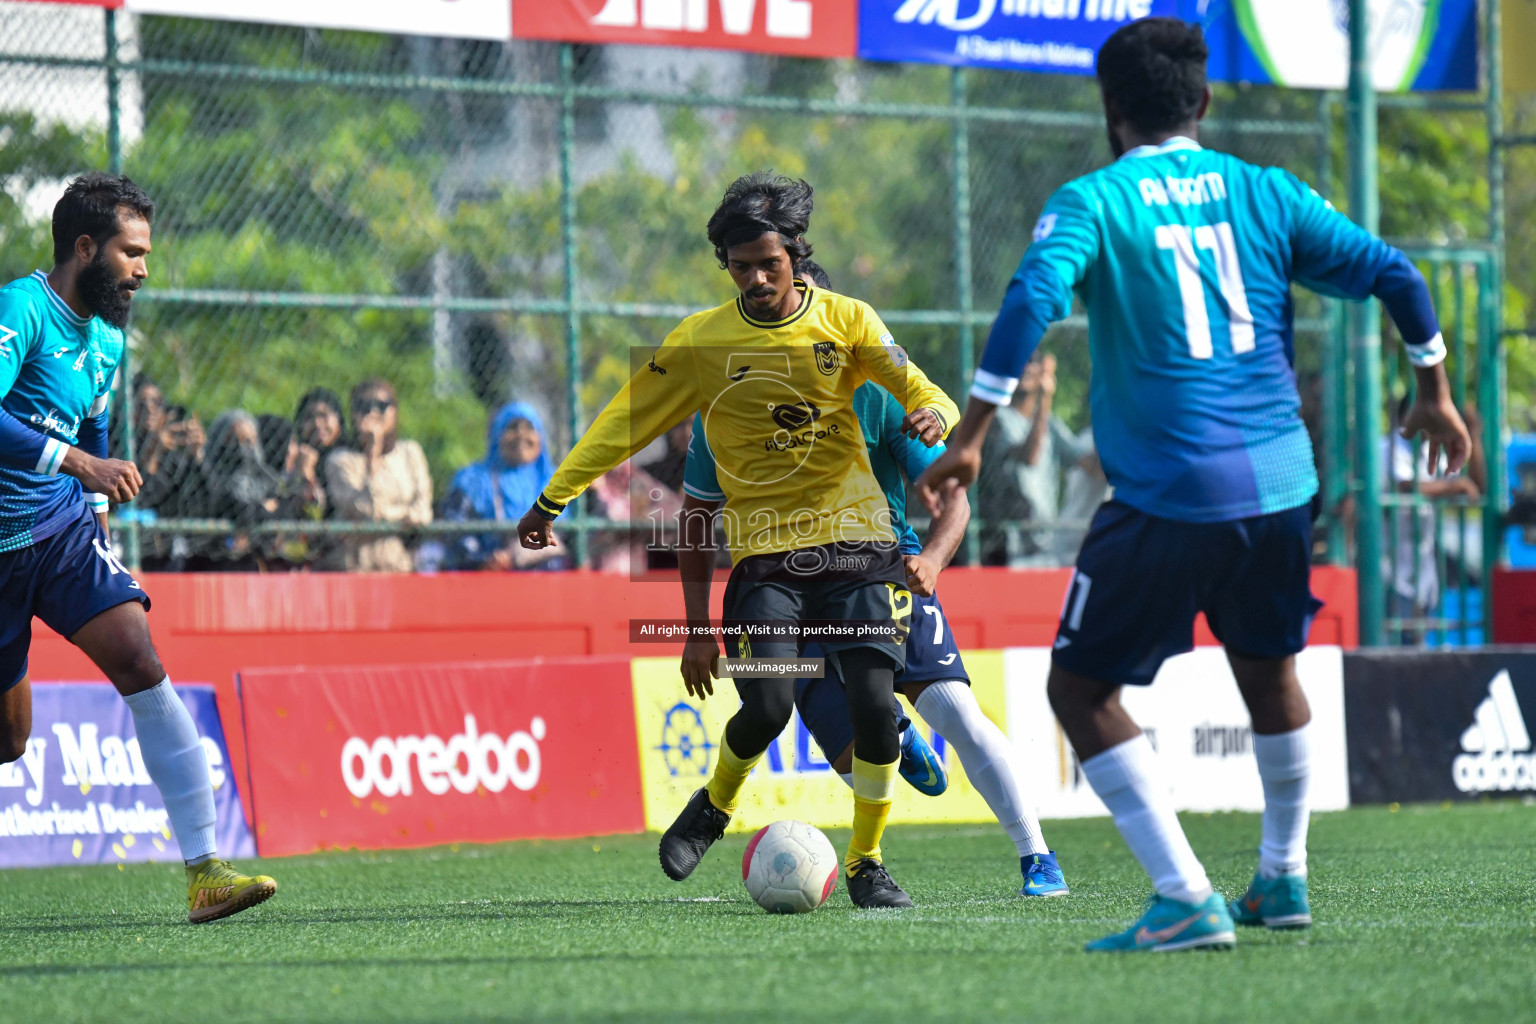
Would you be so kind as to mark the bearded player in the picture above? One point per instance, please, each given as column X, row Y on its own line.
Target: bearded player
column 1185, row 259
column 61, row 338
column 773, row 375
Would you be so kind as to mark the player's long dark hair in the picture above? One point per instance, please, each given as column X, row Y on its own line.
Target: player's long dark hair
column 1152, row 72
column 760, row 204
column 89, row 207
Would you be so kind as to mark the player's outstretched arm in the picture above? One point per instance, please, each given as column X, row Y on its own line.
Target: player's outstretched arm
column 944, row 537
column 696, row 567
column 648, row 405
column 961, row 461
column 1434, row 415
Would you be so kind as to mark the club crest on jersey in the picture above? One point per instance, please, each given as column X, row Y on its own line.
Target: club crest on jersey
column 826, row 357
column 898, row 354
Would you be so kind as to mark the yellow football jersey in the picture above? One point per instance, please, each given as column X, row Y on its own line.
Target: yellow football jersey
column 777, row 404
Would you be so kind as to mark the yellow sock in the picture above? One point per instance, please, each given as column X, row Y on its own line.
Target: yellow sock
column 730, row 775
column 873, row 787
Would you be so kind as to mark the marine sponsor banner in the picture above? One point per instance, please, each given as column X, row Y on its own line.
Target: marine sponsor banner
column 81, row 793
column 402, row 756
column 1433, row 725
column 1195, row 718
column 1020, row 35
column 796, row 28
column 475, row 19
column 1415, row 44
column 679, row 737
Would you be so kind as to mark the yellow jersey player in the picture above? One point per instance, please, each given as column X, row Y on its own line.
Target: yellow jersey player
column 772, row 376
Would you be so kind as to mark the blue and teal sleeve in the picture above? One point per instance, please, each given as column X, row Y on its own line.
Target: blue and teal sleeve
column 1333, row 255
column 700, row 478
column 21, row 330
column 1066, row 242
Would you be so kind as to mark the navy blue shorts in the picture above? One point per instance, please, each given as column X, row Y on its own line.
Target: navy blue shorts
column 931, row 656
column 66, row 580
column 1141, row 580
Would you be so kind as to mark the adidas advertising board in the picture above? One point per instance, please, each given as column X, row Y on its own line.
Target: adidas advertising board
column 82, row 795
column 1437, row 725
column 1196, row 720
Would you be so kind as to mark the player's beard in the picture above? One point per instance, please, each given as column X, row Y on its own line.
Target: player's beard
column 109, row 299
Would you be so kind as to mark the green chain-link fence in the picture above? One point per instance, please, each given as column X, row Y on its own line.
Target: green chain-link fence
column 477, row 223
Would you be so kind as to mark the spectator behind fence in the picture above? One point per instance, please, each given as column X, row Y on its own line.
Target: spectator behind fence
column 321, row 428
column 380, row 479
column 507, row 481
column 299, row 494
column 168, row 447
column 241, row 486
column 1026, row 452
column 1083, row 491
column 629, row 495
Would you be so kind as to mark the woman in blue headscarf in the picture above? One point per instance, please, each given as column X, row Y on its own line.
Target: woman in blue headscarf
column 503, row 486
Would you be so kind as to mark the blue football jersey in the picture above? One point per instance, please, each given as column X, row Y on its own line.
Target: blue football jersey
column 1184, row 258
column 56, row 369
column 890, row 455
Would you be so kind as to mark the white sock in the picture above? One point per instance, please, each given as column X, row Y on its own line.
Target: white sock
column 174, row 756
column 847, row 777
column 950, row 707
column 1285, row 768
column 1126, row 778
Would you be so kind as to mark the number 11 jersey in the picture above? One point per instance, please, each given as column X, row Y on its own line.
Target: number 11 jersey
column 1184, row 258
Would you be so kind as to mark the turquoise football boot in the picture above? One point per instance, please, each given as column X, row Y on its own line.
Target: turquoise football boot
column 1042, row 876
column 1168, row 925
column 920, row 764
column 1274, row 903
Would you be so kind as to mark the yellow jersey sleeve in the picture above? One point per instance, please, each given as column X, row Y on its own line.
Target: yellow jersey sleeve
column 660, row 395
column 886, row 363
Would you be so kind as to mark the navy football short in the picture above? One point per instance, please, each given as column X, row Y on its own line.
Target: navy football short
column 842, row 582
column 1141, row 580
column 66, row 580
column 931, row 656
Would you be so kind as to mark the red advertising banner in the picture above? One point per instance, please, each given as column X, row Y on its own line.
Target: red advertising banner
column 401, row 756
column 795, row 28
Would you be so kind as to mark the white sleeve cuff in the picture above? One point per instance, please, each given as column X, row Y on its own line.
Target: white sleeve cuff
column 989, row 387
column 52, row 457
column 701, row 494
column 97, row 501
column 1431, row 353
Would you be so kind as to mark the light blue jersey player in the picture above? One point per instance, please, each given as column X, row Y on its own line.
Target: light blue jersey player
column 61, row 338
column 1185, row 259
column 934, row 679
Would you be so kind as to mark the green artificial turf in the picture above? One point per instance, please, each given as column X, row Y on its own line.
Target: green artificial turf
column 1423, row 914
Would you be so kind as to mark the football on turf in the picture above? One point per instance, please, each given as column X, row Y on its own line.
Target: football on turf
column 789, row 868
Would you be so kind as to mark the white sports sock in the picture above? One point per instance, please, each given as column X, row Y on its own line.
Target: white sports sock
column 847, row 778
column 950, row 707
column 1285, row 768
column 174, row 756
column 1126, row 778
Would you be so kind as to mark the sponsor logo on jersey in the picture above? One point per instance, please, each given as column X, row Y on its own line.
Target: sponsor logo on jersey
column 826, row 357
column 794, row 415
column 1497, row 746
column 465, row 761
column 654, row 368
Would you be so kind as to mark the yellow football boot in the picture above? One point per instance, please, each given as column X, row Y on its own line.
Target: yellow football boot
column 215, row 889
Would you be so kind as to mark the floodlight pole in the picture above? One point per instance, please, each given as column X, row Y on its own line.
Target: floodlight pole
column 1365, row 332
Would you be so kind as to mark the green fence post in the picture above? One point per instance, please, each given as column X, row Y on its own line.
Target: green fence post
column 964, row 286
column 1491, row 313
column 568, row 241
column 123, row 396
column 1365, row 333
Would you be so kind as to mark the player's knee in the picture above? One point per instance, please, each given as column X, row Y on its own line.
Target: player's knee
column 137, row 670
column 12, row 747
column 776, row 704
column 1070, row 697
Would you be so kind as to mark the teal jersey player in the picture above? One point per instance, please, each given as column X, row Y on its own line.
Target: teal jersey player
column 56, row 370
column 890, row 455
